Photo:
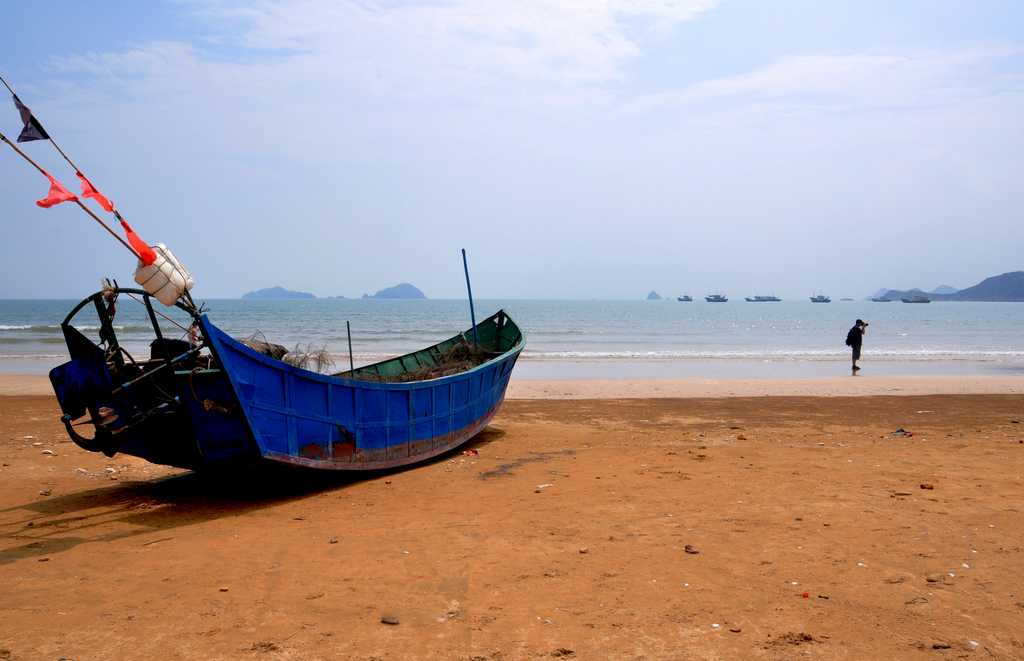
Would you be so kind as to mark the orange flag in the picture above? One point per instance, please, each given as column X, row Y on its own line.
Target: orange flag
column 88, row 190
column 56, row 195
column 146, row 253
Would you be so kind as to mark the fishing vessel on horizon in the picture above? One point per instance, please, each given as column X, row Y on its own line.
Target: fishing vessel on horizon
column 763, row 299
column 820, row 298
column 716, row 298
column 685, row 298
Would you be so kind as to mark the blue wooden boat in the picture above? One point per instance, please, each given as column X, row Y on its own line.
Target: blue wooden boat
column 212, row 401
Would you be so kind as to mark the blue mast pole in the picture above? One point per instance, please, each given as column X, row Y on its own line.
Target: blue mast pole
column 469, row 288
column 348, row 331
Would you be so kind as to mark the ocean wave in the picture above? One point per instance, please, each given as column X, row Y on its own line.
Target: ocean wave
column 33, row 356
column 50, row 328
column 32, row 340
column 790, row 354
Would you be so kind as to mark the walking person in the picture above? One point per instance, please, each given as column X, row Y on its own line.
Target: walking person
column 854, row 338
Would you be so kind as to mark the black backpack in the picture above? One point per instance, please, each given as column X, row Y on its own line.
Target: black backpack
column 851, row 337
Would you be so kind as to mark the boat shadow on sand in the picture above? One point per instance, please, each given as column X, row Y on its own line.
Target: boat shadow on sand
column 128, row 509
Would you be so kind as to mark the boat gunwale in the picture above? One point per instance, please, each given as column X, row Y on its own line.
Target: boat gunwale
column 381, row 385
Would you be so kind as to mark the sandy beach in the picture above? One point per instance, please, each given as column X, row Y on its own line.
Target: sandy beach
column 658, row 527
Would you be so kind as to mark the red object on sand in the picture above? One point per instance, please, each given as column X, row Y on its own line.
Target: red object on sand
column 56, row 195
column 88, row 190
column 807, row 595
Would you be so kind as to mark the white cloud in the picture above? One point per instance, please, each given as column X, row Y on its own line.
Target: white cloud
column 580, row 39
column 854, row 82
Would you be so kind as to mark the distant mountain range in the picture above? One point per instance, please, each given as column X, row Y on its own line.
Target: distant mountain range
column 403, row 290
column 1008, row 287
column 276, row 293
column 653, row 296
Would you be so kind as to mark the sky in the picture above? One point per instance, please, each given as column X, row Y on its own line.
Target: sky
column 575, row 148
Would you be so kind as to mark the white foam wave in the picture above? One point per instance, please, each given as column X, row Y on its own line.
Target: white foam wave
column 789, row 354
column 33, row 356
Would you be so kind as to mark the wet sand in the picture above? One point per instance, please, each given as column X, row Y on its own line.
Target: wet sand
column 565, row 537
column 632, row 388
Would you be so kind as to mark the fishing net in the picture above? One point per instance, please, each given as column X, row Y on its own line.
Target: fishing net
column 459, row 358
column 258, row 342
column 309, row 358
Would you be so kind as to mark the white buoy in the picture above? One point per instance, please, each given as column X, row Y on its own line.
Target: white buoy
column 165, row 278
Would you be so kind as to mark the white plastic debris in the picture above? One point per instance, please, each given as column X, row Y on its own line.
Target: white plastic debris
column 166, row 278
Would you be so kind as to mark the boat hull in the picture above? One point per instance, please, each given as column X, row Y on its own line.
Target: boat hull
column 303, row 418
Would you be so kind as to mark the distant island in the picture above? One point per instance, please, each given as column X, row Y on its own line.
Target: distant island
column 276, row 293
column 1005, row 288
column 403, row 290
column 653, row 296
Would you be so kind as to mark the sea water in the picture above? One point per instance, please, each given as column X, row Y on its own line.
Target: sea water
column 582, row 338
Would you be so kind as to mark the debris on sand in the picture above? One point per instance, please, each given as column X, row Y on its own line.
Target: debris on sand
column 264, row 646
column 389, row 618
column 927, row 486
column 901, row 432
column 691, row 549
column 563, row 653
column 792, row 639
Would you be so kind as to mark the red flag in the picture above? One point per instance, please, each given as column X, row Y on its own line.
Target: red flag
column 146, row 254
column 56, row 195
column 88, row 190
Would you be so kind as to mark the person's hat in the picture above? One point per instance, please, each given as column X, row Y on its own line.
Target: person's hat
column 860, row 322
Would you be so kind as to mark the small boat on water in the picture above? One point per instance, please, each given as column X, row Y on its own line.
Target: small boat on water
column 917, row 299
column 880, row 299
column 213, row 401
column 820, row 298
column 763, row 299
column 685, row 298
column 716, row 298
